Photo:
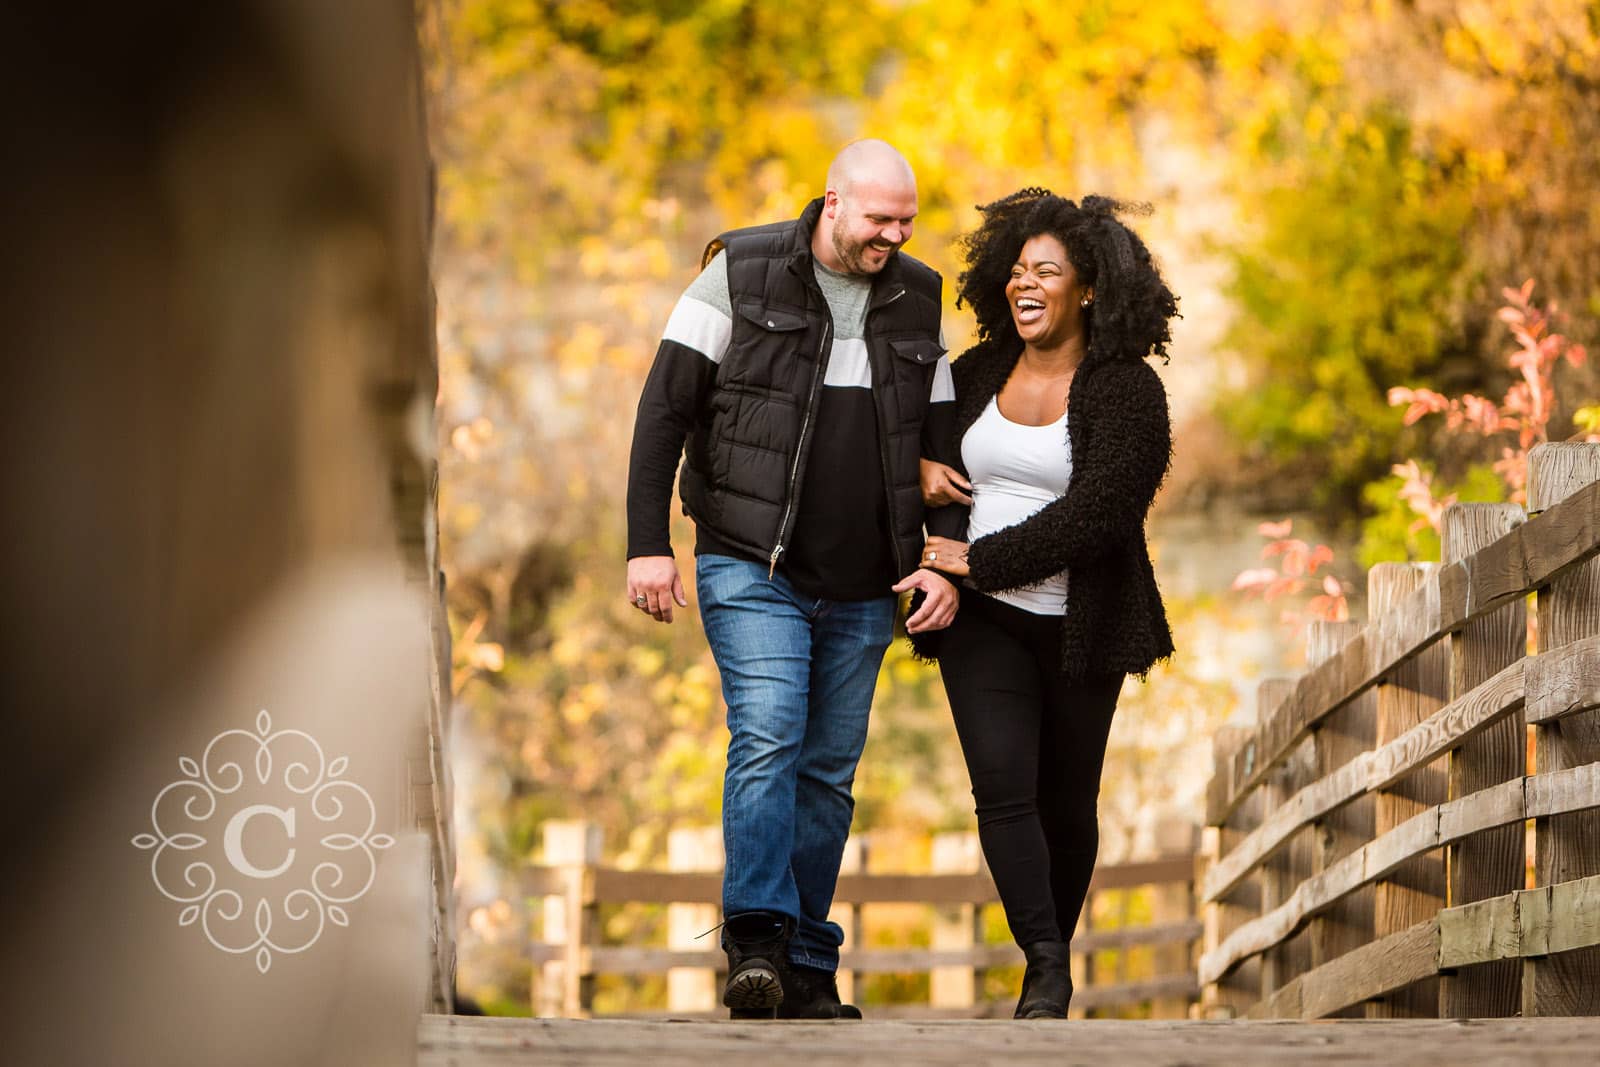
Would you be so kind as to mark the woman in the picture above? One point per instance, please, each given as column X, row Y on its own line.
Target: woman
column 1062, row 429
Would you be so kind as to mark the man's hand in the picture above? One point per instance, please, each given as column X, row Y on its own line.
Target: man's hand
column 943, row 485
column 654, row 585
column 938, row 609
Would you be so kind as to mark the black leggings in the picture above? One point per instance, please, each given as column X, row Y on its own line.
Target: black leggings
column 1034, row 745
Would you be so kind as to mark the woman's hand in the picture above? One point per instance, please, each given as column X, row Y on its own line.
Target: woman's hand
column 946, row 555
column 943, row 485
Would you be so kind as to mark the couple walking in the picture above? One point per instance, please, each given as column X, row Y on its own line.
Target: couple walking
column 833, row 457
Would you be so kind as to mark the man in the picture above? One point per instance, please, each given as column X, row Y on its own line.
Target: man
column 801, row 367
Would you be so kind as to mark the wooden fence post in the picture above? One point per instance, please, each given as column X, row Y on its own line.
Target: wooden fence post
column 848, row 916
column 693, row 989
column 1408, row 695
column 1085, row 971
column 1490, row 863
column 1342, row 737
column 1278, row 874
column 955, row 926
column 571, row 919
column 1232, row 994
column 1565, row 846
column 1172, row 902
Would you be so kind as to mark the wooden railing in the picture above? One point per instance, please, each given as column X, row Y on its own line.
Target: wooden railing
column 571, row 885
column 1384, row 842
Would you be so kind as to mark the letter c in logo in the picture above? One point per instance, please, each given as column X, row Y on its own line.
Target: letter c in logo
column 232, row 844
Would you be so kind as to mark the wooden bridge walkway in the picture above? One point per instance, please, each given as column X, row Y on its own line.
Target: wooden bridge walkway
column 454, row 1041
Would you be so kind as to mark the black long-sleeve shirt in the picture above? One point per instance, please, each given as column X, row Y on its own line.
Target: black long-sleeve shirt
column 841, row 547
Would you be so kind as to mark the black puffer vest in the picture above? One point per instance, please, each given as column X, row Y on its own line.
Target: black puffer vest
column 746, row 459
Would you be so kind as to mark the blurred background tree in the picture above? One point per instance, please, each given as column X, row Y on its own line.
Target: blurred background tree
column 1341, row 190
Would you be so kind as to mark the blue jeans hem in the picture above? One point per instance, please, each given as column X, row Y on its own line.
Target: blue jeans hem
column 817, row 962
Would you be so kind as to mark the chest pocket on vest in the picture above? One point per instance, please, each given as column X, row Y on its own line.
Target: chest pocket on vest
column 768, row 343
column 914, row 363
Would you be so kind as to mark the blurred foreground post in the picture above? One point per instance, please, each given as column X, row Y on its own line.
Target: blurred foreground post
column 220, row 460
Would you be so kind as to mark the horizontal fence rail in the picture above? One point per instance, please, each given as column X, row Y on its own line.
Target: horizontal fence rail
column 572, row 885
column 1385, row 841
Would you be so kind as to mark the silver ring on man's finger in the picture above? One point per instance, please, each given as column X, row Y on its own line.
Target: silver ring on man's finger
column 640, row 600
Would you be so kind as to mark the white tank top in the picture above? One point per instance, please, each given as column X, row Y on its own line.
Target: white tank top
column 1015, row 471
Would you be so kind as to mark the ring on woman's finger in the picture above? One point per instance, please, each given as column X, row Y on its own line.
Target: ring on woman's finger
column 932, row 556
column 640, row 600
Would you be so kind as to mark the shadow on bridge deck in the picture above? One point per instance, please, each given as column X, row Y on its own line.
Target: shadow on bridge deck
column 470, row 1042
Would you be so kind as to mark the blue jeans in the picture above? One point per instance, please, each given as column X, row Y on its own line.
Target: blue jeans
column 798, row 674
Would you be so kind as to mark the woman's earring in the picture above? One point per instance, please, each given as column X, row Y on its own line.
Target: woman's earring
column 1085, row 302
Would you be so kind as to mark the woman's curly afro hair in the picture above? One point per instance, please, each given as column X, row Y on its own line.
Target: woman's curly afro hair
column 1130, row 317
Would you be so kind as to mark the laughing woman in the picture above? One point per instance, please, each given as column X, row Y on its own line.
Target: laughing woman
column 1061, row 439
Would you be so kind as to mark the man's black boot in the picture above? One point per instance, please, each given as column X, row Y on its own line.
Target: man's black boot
column 812, row 993
column 757, row 944
column 1047, row 983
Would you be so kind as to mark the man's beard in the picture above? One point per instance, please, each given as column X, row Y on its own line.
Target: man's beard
column 852, row 254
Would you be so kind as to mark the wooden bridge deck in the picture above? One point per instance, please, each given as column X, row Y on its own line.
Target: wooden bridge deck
column 454, row 1041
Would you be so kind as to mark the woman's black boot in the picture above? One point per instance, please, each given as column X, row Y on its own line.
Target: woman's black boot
column 1047, row 983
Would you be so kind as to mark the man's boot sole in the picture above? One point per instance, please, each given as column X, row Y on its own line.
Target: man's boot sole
column 753, row 989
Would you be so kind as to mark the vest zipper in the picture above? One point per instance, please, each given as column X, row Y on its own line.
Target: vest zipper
column 883, row 454
column 800, row 443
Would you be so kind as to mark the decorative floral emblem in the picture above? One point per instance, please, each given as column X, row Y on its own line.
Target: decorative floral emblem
column 273, row 893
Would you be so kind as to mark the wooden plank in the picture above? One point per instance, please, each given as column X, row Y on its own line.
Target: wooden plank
column 1410, row 625
column 1129, row 994
column 564, row 985
column 1542, row 549
column 694, row 987
column 1527, row 923
column 1577, row 789
column 1159, row 871
column 541, row 881
column 1385, row 854
column 1344, row 738
column 1556, row 793
column 1231, row 994
column 848, row 916
column 1498, row 805
column 1564, row 480
column 1489, row 864
column 1565, row 534
column 1564, row 681
column 1372, row 970
column 1345, row 784
column 616, row 886
column 617, row 959
column 956, row 926
column 1404, row 755
column 1570, row 919
column 1275, row 875
column 1413, row 722
column 912, row 1034
column 1459, row 720
column 1478, row 933
column 1173, row 905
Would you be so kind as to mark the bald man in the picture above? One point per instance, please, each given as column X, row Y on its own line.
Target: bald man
column 802, row 368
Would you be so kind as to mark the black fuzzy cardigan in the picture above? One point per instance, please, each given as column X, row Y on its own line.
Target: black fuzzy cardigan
column 1121, row 443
